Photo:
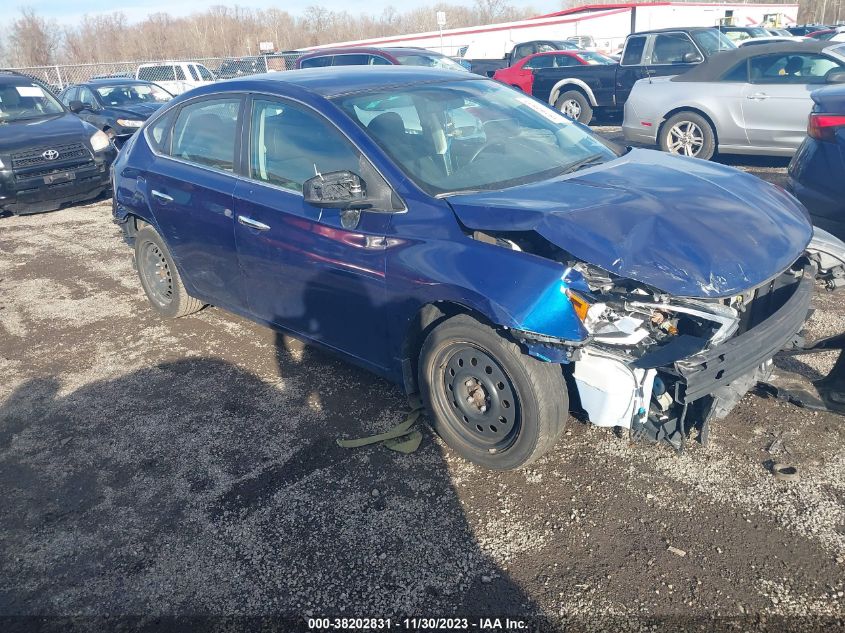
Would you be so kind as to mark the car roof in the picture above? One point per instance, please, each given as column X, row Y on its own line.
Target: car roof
column 332, row 81
column 675, row 30
column 713, row 68
column 371, row 50
column 113, row 81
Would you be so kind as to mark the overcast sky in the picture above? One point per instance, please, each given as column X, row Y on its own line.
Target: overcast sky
column 67, row 12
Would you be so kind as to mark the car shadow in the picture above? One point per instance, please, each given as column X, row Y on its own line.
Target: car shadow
column 196, row 488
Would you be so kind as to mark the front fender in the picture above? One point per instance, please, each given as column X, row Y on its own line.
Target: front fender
column 512, row 289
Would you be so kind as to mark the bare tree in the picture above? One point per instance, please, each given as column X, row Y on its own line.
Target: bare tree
column 33, row 41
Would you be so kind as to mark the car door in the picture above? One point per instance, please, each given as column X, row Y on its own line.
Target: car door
column 776, row 102
column 669, row 54
column 304, row 269
column 630, row 70
column 190, row 187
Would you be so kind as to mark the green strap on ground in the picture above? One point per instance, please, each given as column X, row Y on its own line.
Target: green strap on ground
column 403, row 437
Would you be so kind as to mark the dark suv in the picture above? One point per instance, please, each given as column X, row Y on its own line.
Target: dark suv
column 48, row 156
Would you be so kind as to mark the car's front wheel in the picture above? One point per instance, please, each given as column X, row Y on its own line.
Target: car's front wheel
column 688, row 134
column 159, row 277
column 492, row 404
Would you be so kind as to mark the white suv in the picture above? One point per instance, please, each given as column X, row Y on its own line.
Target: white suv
column 175, row 77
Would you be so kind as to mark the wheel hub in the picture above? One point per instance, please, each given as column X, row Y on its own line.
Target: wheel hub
column 482, row 398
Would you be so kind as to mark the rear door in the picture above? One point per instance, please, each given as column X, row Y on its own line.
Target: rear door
column 303, row 269
column 190, row 188
column 776, row 102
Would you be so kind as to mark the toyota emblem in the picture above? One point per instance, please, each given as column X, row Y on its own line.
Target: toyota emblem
column 50, row 154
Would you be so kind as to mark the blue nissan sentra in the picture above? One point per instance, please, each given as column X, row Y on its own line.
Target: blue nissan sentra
column 472, row 244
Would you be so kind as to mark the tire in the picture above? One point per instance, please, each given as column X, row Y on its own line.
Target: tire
column 501, row 412
column 159, row 277
column 688, row 134
column 575, row 105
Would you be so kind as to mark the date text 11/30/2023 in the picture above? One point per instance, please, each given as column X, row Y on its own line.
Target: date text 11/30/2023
column 416, row 624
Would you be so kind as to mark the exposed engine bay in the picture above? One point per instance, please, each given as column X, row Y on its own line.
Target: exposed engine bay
column 664, row 366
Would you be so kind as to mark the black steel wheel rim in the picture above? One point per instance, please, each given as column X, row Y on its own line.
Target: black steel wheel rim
column 482, row 403
column 156, row 272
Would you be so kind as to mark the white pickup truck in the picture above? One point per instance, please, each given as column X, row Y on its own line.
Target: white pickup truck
column 175, row 77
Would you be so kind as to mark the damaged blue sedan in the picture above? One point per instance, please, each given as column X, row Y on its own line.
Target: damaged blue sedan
column 474, row 245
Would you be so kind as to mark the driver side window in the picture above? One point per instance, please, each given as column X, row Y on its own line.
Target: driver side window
column 290, row 143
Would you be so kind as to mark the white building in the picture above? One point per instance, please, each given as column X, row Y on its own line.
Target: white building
column 608, row 24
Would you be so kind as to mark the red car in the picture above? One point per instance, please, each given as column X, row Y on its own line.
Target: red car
column 521, row 74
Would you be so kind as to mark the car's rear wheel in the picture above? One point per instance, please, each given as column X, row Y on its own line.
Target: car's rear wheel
column 688, row 134
column 493, row 404
column 159, row 277
column 576, row 106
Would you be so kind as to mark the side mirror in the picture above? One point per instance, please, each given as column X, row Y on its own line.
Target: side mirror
column 692, row 58
column 76, row 106
column 835, row 76
column 336, row 190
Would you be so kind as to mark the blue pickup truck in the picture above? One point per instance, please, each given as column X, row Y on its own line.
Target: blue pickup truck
column 581, row 92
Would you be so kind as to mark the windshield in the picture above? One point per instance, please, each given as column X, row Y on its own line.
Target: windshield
column 712, row 41
column 595, row 58
column 132, row 94
column 432, row 61
column 464, row 136
column 26, row 101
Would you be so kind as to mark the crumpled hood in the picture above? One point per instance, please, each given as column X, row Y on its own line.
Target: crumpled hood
column 685, row 226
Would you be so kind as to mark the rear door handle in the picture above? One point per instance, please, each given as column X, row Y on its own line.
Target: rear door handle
column 758, row 96
column 253, row 224
column 161, row 196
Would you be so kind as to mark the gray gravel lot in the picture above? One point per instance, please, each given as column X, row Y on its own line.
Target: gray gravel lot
column 189, row 467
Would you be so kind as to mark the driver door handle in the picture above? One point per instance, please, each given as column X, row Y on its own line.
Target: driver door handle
column 758, row 96
column 253, row 224
column 161, row 196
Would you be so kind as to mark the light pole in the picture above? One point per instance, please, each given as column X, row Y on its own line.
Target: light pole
column 441, row 22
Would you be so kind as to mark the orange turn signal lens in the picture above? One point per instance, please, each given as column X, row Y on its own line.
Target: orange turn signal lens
column 579, row 304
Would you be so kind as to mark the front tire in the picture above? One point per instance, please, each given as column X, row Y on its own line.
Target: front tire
column 160, row 278
column 688, row 134
column 576, row 106
column 490, row 402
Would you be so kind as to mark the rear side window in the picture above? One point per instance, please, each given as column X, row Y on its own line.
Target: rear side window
column 193, row 72
column 205, row 133
column 633, row 51
column 541, row 61
column 156, row 73
column 316, row 62
column 180, row 74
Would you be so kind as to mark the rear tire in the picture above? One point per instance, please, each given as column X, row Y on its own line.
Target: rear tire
column 688, row 134
column 576, row 106
column 490, row 402
column 159, row 277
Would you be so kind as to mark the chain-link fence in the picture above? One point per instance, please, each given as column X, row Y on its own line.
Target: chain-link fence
column 174, row 75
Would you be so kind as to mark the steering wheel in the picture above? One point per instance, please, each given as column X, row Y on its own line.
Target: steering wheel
column 486, row 146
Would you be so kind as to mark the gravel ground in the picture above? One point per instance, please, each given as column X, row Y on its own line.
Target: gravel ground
column 188, row 467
